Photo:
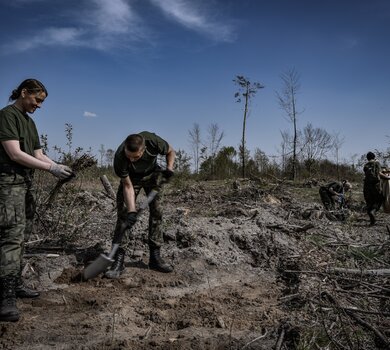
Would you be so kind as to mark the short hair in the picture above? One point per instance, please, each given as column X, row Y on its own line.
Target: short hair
column 347, row 185
column 31, row 85
column 370, row 156
column 134, row 142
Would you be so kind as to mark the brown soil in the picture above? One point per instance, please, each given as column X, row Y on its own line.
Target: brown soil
column 232, row 248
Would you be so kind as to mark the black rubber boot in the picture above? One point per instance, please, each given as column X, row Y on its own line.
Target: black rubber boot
column 22, row 291
column 8, row 310
column 371, row 214
column 118, row 265
column 157, row 263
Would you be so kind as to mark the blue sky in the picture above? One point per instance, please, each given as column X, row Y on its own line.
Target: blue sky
column 115, row 67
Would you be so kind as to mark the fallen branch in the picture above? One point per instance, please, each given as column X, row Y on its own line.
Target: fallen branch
column 107, row 186
column 367, row 294
column 289, row 227
column 351, row 313
column 370, row 327
column 288, row 298
column 256, row 339
column 376, row 272
column 368, row 312
column 35, row 241
column 339, row 277
column 45, row 255
column 280, row 340
column 304, row 228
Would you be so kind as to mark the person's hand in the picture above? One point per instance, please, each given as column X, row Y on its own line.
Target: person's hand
column 131, row 219
column 167, row 173
column 61, row 171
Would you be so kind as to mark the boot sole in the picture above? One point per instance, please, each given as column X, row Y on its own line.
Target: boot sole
column 160, row 270
column 25, row 296
column 113, row 277
column 11, row 318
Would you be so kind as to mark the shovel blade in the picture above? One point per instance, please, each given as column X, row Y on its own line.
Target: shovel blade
column 97, row 266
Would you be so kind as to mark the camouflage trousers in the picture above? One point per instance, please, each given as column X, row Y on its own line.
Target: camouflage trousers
column 155, row 236
column 373, row 196
column 17, row 208
column 326, row 198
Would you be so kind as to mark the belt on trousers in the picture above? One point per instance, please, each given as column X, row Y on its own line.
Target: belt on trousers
column 14, row 169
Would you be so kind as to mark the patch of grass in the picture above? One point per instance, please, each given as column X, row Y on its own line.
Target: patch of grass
column 306, row 194
column 317, row 240
column 363, row 254
column 312, row 338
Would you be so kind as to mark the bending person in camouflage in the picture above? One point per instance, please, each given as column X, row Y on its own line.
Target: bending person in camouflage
column 371, row 187
column 20, row 153
column 135, row 163
column 333, row 192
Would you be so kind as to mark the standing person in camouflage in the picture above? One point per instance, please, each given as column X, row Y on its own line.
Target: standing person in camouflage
column 135, row 162
column 20, row 154
column 371, row 187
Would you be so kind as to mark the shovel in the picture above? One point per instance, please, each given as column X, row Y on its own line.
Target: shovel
column 104, row 261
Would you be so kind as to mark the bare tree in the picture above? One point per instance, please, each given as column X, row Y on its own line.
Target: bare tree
column 215, row 137
column 110, row 154
column 337, row 143
column 195, row 142
column 102, row 152
column 261, row 160
column 316, row 143
column 285, row 148
column 287, row 99
column 247, row 91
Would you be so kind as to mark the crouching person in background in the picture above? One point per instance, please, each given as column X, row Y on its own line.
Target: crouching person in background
column 333, row 193
column 20, row 154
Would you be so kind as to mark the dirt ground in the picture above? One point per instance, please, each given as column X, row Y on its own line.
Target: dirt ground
column 253, row 270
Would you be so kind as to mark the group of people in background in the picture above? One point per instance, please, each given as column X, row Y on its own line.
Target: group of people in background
column 373, row 192
column 134, row 162
column 375, row 189
column 21, row 153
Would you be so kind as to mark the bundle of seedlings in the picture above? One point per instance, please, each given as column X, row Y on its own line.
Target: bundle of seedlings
column 62, row 217
column 80, row 164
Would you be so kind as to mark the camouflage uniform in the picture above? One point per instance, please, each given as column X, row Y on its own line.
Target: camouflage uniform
column 371, row 188
column 155, row 236
column 17, row 208
column 143, row 175
column 327, row 197
column 17, row 196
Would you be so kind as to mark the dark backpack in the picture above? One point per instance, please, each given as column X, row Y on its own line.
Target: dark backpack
column 370, row 172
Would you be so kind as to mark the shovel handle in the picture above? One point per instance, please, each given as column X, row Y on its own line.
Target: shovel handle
column 115, row 247
column 151, row 196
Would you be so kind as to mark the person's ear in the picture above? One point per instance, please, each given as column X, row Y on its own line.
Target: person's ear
column 24, row 93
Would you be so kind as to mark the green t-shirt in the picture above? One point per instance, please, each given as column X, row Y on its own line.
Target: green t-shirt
column 335, row 186
column 371, row 172
column 16, row 125
column 155, row 145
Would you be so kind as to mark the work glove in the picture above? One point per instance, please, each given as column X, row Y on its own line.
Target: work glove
column 61, row 171
column 131, row 219
column 167, row 173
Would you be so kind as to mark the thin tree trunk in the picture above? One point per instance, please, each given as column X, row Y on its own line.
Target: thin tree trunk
column 243, row 132
column 295, row 136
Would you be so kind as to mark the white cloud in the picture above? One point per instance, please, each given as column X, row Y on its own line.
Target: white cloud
column 114, row 16
column 48, row 37
column 187, row 14
column 104, row 25
column 89, row 114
